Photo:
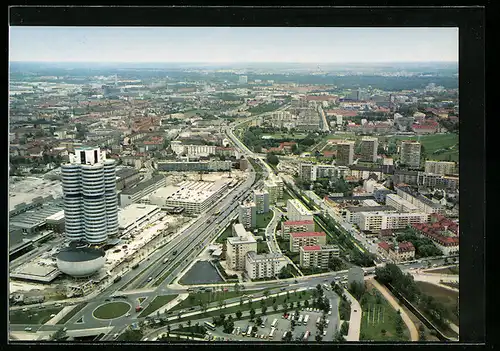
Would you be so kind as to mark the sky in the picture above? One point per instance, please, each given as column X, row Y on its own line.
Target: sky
column 232, row 44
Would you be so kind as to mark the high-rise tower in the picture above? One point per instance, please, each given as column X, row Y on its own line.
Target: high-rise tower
column 90, row 201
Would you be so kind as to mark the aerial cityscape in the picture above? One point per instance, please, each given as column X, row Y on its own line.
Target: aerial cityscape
column 206, row 185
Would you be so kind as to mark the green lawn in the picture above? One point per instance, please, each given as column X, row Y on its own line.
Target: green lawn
column 438, row 147
column 447, row 298
column 38, row 316
column 377, row 317
column 262, row 247
column 112, row 310
column 286, row 196
column 71, row 313
column 159, row 301
column 263, row 219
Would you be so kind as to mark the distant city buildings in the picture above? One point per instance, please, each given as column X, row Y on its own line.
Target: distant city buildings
column 242, row 79
column 369, row 147
column 410, row 153
column 345, row 153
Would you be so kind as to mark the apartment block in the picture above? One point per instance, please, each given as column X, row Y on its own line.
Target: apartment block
column 296, row 211
column 369, row 147
column 238, row 246
column 397, row 252
column 400, row 204
column 296, row 227
column 261, row 199
column 410, row 153
column 345, row 153
column 297, row 240
column 248, row 215
column 377, row 221
column 440, row 167
column 317, row 255
column 264, row 266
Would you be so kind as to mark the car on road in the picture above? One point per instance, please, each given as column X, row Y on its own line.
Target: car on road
column 150, row 279
column 25, row 309
column 28, row 329
column 128, row 314
column 107, row 300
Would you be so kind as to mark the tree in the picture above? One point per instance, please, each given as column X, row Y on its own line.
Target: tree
column 318, row 337
column 344, row 329
column 222, row 317
column 264, row 309
column 306, row 303
column 238, row 314
column 383, row 331
column 275, row 307
column 272, row 159
column 252, row 313
column 241, row 301
column 258, row 321
column 237, row 288
column 189, row 323
column 58, row 335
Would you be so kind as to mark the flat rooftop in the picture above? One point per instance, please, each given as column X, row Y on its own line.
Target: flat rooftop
column 132, row 213
column 29, row 188
column 37, row 216
column 142, row 185
column 299, row 206
column 190, row 191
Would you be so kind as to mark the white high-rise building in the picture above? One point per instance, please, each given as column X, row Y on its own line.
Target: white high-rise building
column 90, row 201
column 440, row 167
column 248, row 215
column 261, row 199
column 297, row 211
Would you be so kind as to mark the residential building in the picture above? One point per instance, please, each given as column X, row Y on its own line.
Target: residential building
column 89, row 192
column 243, row 79
column 369, row 147
column 317, row 256
column 424, row 204
column 296, row 211
column 264, row 266
column 248, row 215
column 353, row 213
column 376, row 221
column 443, row 232
column 400, row 204
column 261, row 199
column 274, row 190
column 238, row 247
column 288, row 227
column 297, row 240
column 397, row 252
column 345, row 153
column 410, row 153
column 194, row 166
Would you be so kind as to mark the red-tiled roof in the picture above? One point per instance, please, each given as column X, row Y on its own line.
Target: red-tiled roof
column 406, row 246
column 307, row 234
column 384, row 245
column 298, row 222
column 311, row 248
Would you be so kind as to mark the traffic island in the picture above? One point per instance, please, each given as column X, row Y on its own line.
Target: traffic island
column 111, row 310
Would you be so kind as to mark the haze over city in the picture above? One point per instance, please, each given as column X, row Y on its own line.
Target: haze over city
column 232, row 44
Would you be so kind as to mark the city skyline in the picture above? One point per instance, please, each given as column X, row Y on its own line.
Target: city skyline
column 232, row 45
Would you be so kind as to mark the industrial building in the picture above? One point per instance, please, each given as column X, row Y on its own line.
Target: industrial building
column 127, row 177
column 90, row 202
column 297, row 240
column 264, row 266
column 296, row 211
column 141, row 190
column 317, row 256
column 136, row 216
column 194, row 197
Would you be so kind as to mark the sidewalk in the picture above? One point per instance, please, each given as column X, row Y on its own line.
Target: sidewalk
column 169, row 305
column 355, row 320
column 388, row 296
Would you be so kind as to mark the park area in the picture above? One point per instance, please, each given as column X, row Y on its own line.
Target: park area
column 445, row 297
column 380, row 322
column 111, row 310
column 159, row 301
column 71, row 313
column 448, row 270
column 33, row 316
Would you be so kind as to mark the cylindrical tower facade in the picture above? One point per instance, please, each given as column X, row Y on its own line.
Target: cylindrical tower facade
column 111, row 198
column 71, row 183
column 94, row 203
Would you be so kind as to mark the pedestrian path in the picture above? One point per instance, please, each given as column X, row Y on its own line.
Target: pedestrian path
column 60, row 315
column 355, row 320
column 390, row 298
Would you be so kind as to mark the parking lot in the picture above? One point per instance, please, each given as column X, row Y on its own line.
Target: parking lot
column 282, row 325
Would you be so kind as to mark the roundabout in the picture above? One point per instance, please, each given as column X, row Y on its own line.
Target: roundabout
column 111, row 310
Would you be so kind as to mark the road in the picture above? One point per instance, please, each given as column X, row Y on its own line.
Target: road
column 324, row 121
